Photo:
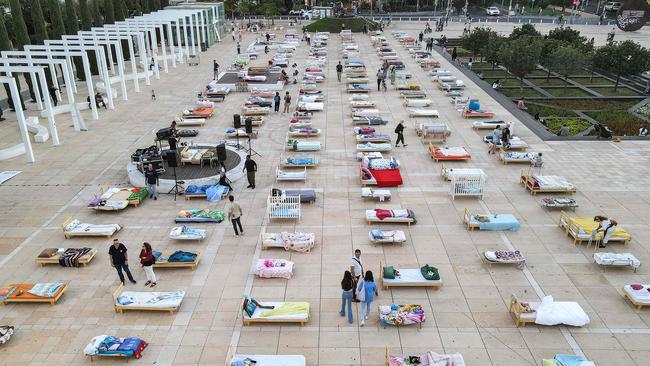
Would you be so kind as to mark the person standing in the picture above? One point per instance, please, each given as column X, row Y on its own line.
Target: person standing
column 392, row 75
column 238, row 48
column 153, row 95
column 234, row 215
column 496, row 139
column 380, row 77
column 356, row 268
column 339, row 71
column 277, row 99
column 399, row 130
column 239, row 37
column 347, row 286
column 147, row 261
column 454, row 55
column 250, row 167
column 215, row 69
column 369, row 288
column 52, row 89
column 287, row 102
column 151, row 175
column 268, row 37
column 120, row 260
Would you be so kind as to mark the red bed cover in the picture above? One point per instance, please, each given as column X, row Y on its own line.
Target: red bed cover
column 387, row 178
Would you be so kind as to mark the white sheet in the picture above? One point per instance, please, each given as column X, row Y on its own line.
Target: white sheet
column 552, row 182
column 641, row 296
column 550, row 312
column 152, row 299
column 8, row 174
column 453, row 151
column 258, row 311
column 617, row 259
column 307, row 106
column 274, row 360
column 392, row 236
column 375, row 193
column 409, row 275
column 417, row 102
column 78, row 227
column 421, row 112
column 283, row 175
column 448, row 173
column 401, row 215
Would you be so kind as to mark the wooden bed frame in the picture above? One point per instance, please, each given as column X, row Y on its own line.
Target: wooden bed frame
column 120, row 309
column 521, row 318
column 529, row 183
column 50, row 300
column 68, row 235
column 570, row 229
column 385, row 286
column 255, row 112
column 201, row 195
column 133, row 203
column 55, row 259
column 191, row 265
column 407, row 221
column 467, row 216
column 432, row 151
column 296, row 134
column 249, row 321
column 502, row 157
column 284, row 165
column 483, row 114
column 638, row 305
column 490, row 263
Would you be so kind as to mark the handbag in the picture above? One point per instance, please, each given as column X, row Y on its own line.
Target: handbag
column 361, row 291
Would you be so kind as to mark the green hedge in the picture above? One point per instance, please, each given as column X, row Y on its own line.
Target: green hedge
column 334, row 25
column 576, row 125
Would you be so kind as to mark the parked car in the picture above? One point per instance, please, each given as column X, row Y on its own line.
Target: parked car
column 295, row 12
column 613, row 6
column 306, row 14
column 492, row 11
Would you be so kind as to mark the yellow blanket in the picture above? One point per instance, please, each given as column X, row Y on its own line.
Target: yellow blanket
column 587, row 225
column 288, row 308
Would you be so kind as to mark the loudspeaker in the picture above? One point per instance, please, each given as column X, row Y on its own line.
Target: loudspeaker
column 164, row 133
column 237, row 121
column 249, row 125
column 221, row 152
column 171, row 157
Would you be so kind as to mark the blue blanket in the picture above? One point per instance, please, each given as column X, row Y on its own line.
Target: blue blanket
column 45, row 289
column 302, row 161
column 569, row 360
column 214, row 193
column 497, row 222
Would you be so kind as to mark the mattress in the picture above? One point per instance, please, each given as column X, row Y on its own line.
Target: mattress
column 387, row 177
column 552, row 182
column 404, row 215
column 186, row 233
column 273, row 360
column 279, row 268
column 283, row 175
column 135, row 299
column 392, row 236
column 642, row 295
column 258, row 313
column 306, row 195
column 519, row 156
column 410, row 275
column 369, row 146
column 77, row 227
column 497, row 222
column 451, row 151
column 449, row 173
column 419, row 112
column 617, row 259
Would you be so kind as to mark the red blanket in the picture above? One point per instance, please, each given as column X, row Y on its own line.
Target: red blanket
column 382, row 214
column 387, row 178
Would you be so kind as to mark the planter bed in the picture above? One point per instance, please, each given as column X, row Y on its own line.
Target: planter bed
column 567, row 92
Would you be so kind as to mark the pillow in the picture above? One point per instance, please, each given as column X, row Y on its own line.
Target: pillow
column 376, row 233
column 389, row 272
column 636, row 287
column 48, row 253
column 490, row 255
column 249, row 306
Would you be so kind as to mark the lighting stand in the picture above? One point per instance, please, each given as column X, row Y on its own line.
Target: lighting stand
column 178, row 186
column 252, row 151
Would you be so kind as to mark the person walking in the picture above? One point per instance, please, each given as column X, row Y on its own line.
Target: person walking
column 287, row 102
column 153, row 95
column 392, row 75
column 399, row 130
column 52, row 89
column 496, row 139
column 234, row 215
column 239, row 36
column 380, row 77
column 420, row 37
column 120, row 260
column 238, row 48
column 348, row 286
column 276, row 100
column 215, row 69
column 151, row 175
column 454, row 55
column 369, row 289
column 339, row 71
column 250, row 167
column 147, row 260
column 356, row 268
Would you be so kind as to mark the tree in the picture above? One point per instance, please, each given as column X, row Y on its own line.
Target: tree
column 98, row 20
column 123, row 8
column 5, row 45
column 38, row 22
column 22, row 37
column 568, row 60
column 622, row 59
column 549, row 46
column 492, row 49
column 520, row 56
column 525, row 30
column 72, row 26
column 86, row 18
column 156, row 5
column 118, row 10
column 109, row 12
column 56, row 19
column 476, row 40
column 146, row 6
column 570, row 36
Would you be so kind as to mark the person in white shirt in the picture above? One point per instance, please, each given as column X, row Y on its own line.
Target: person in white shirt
column 607, row 226
column 356, row 268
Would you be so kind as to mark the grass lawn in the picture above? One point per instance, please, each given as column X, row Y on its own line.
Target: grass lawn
column 496, row 73
column 589, row 81
column 517, row 92
column 504, row 82
column 593, row 104
column 537, row 73
column 567, row 92
column 546, row 111
column 620, row 122
column 576, row 125
column 621, row 91
column 550, row 82
column 333, row 25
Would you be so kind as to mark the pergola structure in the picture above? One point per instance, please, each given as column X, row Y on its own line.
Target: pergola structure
column 127, row 50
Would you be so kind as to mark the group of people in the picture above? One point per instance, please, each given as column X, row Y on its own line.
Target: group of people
column 119, row 259
column 357, row 286
column 500, row 137
column 385, row 72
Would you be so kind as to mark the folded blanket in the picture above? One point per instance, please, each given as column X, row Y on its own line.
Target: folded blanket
column 45, row 289
column 287, row 308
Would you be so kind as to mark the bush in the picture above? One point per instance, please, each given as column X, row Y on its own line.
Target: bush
column 622, row 123
column 592, row 104
column 644, row 110
column 576, row 125
column 547, row 111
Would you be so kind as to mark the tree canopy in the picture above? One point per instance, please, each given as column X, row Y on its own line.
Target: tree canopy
column 525, row 30
column 622, row 59
column 568, row 60
column 56, row 19
column 521, row 55
column 38, row 22
column 476, row 40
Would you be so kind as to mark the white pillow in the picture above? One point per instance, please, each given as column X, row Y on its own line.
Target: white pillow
column 491, row 256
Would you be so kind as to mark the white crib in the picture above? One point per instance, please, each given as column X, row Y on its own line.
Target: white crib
column 283, row 207
column 467, row 185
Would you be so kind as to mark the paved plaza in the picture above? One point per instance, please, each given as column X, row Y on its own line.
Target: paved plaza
column 468, row 314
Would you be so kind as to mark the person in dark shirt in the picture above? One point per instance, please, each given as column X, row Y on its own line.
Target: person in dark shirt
column 119, row 260
column 399, row 130
column 276, row 101
column 151, row 176
column 339, row 71
column 250, row 167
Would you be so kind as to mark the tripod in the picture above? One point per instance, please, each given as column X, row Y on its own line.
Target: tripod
column 252, row 151
column 178, row 186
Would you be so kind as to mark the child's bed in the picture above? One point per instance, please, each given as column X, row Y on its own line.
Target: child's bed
column 379, row 194
column 190, row 121
column 546, row 184
column 449, row 173
column 426, row 359
column 206, row 215
column 417, row 103
column 517, row 157
column 72, row 227
column 504, row 257
column 386, row 236
column 374, row 137
column 110, row 346
column 567, row 360
column 371, row 121
column 177, row 259
column 398, row 216
column 356, row 80
column 299, row 162
column 637, row 294
column 515, row 143
column 548, row 312
column 438, row 153
column 408, row 86
column 233, row 359
column 467, row 113
column 304, row 132
column 554, row 202
column 410, row 277
column 617, row 260
column 399, row 315
column 303, row 115
column 66, row 257
column 187, row 233
column 381, row 177
column 201, row 112
column 370, row 146
column 497, row 222
column 255, row 111
column 147, row 301
column 310, row 106
column 581, row 229
column 423, row 112
column 362, row 104
column 365, row 112
column 302, row 145
column 33, row 292
column 283, row 175
column 281, row 312
column 213, row 193
column 114, row 199
column 283, row 207
column 489, row 125
column 412, row 94
column 273, row 268
column 358, row 88
column 295, row 241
